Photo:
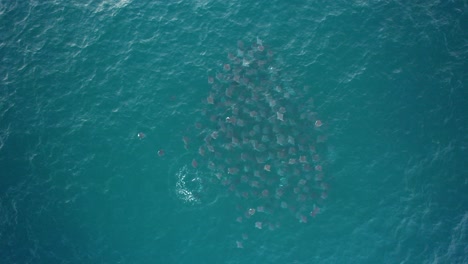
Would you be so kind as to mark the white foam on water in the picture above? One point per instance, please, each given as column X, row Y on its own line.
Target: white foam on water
column 188, row 185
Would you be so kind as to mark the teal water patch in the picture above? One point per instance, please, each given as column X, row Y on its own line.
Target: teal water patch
column 79, row 81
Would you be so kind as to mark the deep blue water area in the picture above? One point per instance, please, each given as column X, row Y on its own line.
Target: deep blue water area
column 105, row 105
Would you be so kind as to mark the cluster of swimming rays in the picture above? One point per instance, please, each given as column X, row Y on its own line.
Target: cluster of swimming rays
column 261, row 139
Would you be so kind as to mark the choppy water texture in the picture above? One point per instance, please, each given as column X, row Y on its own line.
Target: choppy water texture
column 233, row 132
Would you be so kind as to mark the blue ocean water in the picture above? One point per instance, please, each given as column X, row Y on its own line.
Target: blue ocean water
column 80, row 80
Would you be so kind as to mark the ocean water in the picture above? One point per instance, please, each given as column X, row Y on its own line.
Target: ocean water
column 80, row 79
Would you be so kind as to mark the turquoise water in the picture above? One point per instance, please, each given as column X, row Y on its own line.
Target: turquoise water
column 80, row 80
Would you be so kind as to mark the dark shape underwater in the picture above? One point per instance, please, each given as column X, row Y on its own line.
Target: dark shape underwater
column 260, row 138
